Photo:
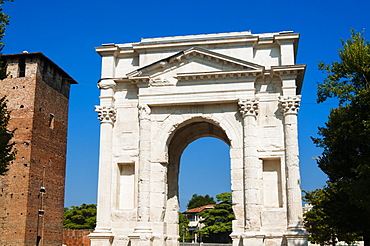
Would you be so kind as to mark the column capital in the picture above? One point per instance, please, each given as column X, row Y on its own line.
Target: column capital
column 106, row 114
column 290, row 104
column 144, row 112
column 248, row 107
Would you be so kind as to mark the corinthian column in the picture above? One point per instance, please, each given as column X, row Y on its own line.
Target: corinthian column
column 249, row 109
column 289, row 107
column 107, row 116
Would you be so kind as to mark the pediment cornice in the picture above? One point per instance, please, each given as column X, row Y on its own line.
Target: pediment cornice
column 228, row 62
column 203, row 76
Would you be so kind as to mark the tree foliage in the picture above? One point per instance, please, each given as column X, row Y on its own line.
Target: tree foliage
column 218, row 221
column 345, row 141
column 80, row 217
column 347, row 78
column 7, row 153
column 321, row 220
column 183, row 228
column 197, row 201
column 4, row 21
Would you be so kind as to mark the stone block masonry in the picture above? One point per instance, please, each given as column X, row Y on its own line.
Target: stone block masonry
column 160, row 94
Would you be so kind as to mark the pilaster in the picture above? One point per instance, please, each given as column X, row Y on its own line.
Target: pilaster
column 249, row 110
column 142, row 235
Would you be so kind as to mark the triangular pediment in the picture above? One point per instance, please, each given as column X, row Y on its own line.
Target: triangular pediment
column 192, row 61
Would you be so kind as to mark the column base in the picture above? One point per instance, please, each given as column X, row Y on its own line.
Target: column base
column 101, row 237
column 142, row 235
column 236, row 238
column 172, row 240
column 296, row 237
column 252, row 239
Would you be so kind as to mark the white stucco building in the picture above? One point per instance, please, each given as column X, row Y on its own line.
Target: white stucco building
column 160, row 94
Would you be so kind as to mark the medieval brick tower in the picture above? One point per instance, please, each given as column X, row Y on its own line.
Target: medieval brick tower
column 32, row 191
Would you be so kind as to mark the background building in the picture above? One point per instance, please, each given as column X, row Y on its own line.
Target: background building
column 32, row 191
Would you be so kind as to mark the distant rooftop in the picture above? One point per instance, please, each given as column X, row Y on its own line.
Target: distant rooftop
column 200, row 209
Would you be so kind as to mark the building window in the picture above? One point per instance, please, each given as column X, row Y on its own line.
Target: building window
column 51, row 121
column 45, row 71
column 22, row 66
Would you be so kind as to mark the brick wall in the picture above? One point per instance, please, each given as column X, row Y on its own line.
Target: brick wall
column 39, row 112
column 76, row 237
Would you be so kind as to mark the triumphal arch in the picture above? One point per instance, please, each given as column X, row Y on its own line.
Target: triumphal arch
column 160, row 94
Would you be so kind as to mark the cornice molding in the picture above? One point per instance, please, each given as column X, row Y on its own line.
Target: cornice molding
column 196, row 52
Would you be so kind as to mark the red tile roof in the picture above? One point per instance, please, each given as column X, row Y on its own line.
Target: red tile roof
column 199, row 209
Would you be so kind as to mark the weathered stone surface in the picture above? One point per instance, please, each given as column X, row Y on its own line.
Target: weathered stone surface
column 242, row 88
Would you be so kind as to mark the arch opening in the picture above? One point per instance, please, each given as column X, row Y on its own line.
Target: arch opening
column 185, row 134
column 182, row 137
column 204, row 157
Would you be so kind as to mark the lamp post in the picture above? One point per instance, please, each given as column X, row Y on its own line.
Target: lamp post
column 183, row 232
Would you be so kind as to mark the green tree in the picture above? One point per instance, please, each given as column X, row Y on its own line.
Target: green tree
column 183, row 227
column 80, row 217
column 7, row 153
column 347, row 78
column 199, row 200
column 218, row 221
column 4, row 21
column 321, row 219
column 345, row 139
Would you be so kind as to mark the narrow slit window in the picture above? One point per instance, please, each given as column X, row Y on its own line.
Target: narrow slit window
column 22, row 66
column 45, row 71
column 51, row 121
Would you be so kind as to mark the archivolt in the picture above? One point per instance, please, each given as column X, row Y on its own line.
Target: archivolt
column 177, row 132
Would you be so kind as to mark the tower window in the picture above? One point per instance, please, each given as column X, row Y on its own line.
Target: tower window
column 51, row 121
column 22, row 66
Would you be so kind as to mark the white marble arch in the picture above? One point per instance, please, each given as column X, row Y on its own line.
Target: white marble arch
column 160, row 94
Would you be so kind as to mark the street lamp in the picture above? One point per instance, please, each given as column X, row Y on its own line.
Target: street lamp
column 183, row 232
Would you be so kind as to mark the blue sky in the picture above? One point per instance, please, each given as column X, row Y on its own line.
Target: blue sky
column 67, row 32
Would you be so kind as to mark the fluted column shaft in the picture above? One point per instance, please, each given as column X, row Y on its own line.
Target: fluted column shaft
column 249, row 110
column 289, row 107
